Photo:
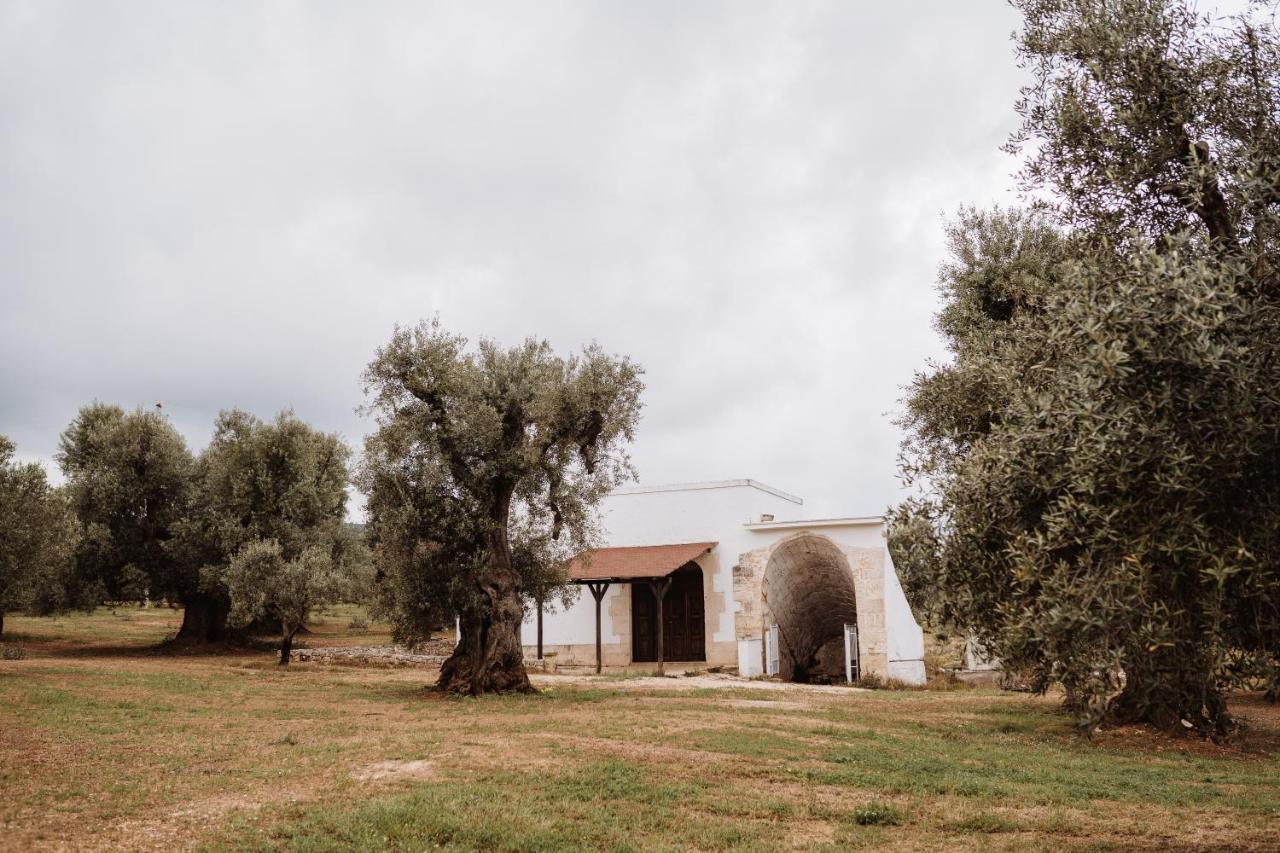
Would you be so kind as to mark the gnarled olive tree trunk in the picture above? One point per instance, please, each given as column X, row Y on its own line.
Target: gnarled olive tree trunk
column 489, row 657
column 1174, row 700
column 204, row 620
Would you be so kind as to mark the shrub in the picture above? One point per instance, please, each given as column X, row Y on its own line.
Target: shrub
column 875, row 681
column 943, row 681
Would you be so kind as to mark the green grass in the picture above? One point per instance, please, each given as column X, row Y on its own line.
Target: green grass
column 877, row 814
column 129, row 628
column 121, row 628
column 985, row 822
column 1041, row 764
column 608, row 804
column 105, row 741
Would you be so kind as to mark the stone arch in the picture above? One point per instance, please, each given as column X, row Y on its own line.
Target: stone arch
column 809, row 590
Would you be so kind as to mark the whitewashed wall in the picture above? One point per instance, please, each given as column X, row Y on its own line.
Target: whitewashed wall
column 727, row 512
column 668, row 515
column 906, row 640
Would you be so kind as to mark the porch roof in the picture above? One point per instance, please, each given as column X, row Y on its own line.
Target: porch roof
column 643, row 561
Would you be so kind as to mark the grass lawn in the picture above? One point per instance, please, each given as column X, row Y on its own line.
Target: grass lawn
column 106, row 743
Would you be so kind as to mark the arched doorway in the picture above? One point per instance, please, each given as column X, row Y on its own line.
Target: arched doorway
column 683, row 616
column 809, row 590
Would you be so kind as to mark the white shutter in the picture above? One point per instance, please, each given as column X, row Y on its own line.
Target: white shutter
column 852, row 671
column 772, row 655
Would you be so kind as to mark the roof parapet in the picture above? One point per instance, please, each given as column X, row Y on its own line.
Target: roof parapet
column 858, row 521
column 710, row 484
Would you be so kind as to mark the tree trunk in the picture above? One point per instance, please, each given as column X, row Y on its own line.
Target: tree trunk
column 1, row 623
column 204, row 620
column 1173, row 702
column 490, row 657
column 286, row 646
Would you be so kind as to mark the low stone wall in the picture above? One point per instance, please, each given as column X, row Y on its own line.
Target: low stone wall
column 430, row 653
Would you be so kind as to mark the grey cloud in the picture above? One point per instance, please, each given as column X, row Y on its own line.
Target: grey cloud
column 231, row 204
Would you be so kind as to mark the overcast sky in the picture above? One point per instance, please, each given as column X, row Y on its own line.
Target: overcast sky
column 231, row 205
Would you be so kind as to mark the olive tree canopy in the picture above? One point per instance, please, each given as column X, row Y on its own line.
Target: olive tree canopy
column 37, row 539
column 128, row 480
column 280, row 480
column 482, row 478
column 156, row 521
column 1099, row 464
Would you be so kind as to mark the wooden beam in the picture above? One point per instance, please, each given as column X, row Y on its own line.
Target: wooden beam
column 597, row 592
column 659, row 587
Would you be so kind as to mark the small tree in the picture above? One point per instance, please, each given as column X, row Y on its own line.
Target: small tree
column 482, row 477
column 263, row 585
column 37, row 538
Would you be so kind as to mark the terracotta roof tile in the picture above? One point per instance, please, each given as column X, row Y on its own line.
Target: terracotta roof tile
column 645, row 561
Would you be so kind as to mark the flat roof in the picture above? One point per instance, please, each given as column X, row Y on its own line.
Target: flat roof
column 854, row 521
column 710, row 484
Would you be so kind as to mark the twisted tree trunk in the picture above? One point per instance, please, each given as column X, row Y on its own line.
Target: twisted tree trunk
column 489, row 657
column 1173, row 702
column 204, row 620
column 286, row 646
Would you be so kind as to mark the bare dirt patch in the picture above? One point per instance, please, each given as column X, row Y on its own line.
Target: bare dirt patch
column 396, row 771
column 768, row 704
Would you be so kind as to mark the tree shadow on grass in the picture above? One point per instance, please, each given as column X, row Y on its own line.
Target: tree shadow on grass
column 47, row 648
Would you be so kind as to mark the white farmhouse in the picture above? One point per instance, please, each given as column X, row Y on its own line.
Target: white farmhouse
column 715, row 574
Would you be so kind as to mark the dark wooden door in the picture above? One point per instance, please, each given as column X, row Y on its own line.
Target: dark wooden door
column 683, row 617
column 642, row 619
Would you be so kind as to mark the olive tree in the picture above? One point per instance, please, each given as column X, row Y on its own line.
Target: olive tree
column 37, row 538
column 155, row 519
column 994, row 287
column 128, row 479
column 1099, row 465
column 263, row 585
column 482, row 477
column 280, row 480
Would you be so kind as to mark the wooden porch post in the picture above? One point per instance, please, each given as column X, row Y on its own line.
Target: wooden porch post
column 659, row 587
column 597, row 592
column 539, row 629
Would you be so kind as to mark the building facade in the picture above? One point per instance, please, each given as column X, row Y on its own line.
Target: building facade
column 699, row 575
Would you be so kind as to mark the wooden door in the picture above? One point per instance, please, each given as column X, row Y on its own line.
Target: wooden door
column 643, row 611
column 683, row 617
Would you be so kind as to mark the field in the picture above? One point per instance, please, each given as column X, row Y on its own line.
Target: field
column 107, row 743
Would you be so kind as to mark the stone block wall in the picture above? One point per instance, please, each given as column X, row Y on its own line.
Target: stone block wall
column 751, row 616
